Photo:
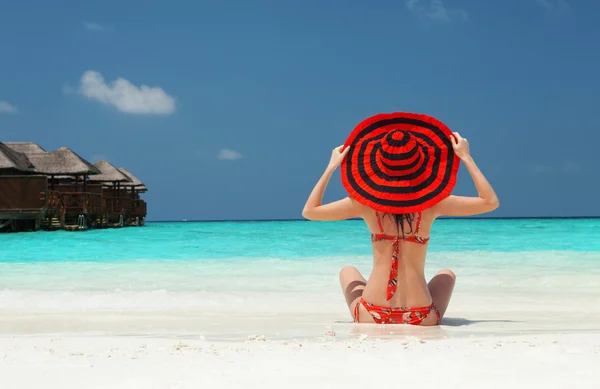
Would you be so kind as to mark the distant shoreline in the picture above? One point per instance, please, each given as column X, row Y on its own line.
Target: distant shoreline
column 442, row 218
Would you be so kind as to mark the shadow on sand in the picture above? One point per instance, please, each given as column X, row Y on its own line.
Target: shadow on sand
column 459, row 322
column 450, row 321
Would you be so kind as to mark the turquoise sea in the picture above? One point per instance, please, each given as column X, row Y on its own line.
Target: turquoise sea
column 228, row 279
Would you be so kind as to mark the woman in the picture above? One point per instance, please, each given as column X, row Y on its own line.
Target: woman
column 399, row 170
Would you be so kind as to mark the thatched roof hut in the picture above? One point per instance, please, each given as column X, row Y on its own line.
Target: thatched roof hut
column 109, row 173
column 25, row 147
column 12, row 161
column 134, row 182
column 63, row 161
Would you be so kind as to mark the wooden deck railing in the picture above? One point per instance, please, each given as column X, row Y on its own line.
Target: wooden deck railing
column 124, row 206
column 82, row 202
column 117, row 205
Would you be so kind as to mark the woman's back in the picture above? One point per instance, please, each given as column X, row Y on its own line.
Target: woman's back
column 410, row 241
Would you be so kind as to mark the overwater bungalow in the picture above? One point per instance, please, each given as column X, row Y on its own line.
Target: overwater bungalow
column 60, row 189
column 129, row 192
column 139, row 208
column 83, row 202
column 24, row 196
column 116, row 208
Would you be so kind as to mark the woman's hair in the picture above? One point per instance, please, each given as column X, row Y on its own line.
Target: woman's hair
column 399, row 219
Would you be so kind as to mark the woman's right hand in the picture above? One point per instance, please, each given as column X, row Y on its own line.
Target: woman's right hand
column 487, row 200
column 460, row 146
column 337, row 156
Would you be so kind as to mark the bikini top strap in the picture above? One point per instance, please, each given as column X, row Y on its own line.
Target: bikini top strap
column 379, row 222
column 419, row 215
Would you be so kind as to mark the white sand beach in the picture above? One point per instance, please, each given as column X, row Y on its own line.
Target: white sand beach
column 527, row 361
column 521, row 327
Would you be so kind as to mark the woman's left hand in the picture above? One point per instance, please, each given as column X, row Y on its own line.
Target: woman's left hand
column 337, row 156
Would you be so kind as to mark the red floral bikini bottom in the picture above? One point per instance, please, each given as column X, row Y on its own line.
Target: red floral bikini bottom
column 396, row 315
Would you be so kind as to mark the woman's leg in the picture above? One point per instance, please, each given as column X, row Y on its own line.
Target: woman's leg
column 441, row 287
column 353, row 284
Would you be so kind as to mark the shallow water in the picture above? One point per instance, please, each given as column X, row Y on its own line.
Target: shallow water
column 280, row 279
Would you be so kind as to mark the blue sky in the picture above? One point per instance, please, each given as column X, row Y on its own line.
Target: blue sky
column 229, row 110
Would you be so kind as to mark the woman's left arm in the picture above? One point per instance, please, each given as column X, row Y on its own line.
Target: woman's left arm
column 346, row 208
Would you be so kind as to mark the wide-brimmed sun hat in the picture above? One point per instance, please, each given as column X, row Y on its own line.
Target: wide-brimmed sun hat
column 400, row 162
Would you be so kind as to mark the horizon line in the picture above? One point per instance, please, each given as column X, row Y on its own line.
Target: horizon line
column 356, row 219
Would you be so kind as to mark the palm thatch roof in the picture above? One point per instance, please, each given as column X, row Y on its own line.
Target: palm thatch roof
column 134, row 182
column 25, row 147
column 13, row 161
column 109, row 173
column 63, row 161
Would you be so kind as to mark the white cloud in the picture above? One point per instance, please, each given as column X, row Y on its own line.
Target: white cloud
column 229, row 154
column 435, row 10
column 5, row 107
column 90, row 26
column 125, row 96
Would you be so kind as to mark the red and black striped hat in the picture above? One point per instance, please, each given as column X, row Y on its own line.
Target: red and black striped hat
column 400, row 162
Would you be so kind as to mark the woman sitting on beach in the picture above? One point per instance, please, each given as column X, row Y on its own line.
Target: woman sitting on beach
column 399, row 170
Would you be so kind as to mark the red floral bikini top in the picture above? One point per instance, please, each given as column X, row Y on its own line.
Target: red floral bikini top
column 393, row 280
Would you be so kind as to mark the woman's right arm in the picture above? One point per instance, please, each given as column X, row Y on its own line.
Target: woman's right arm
column 467, row 206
